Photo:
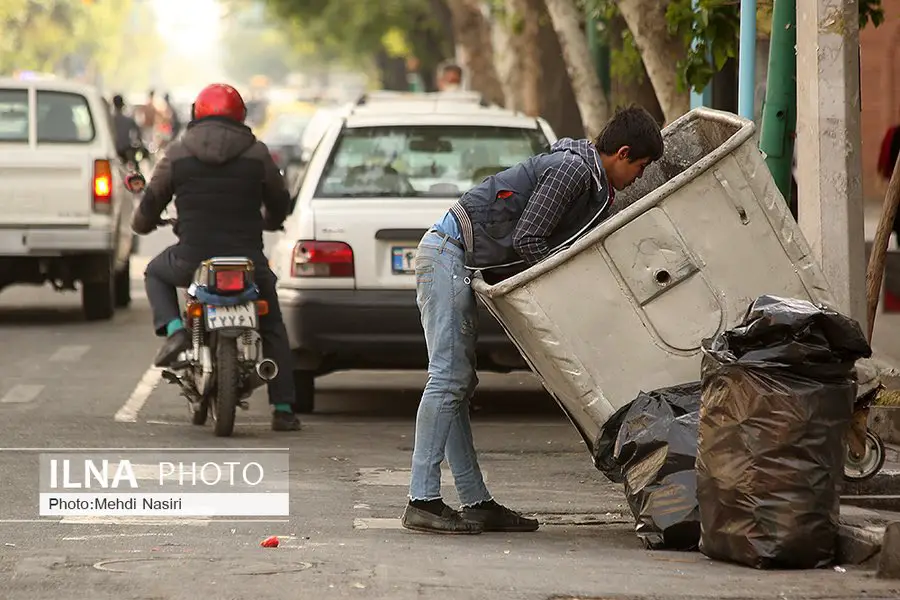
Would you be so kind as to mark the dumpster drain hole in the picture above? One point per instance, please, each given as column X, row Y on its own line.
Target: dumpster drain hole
column 663, row 277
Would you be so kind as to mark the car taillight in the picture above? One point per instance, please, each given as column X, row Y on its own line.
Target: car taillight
column 229, row 281
column 322, row 259
column 891, row 302
column 102, row 186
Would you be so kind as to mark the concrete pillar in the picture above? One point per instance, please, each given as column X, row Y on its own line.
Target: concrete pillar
column 828, row 146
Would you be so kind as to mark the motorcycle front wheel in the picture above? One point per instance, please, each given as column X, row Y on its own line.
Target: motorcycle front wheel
column 226, row 386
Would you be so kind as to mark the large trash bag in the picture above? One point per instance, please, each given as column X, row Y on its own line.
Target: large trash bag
column 778, row 395
column 655, row 451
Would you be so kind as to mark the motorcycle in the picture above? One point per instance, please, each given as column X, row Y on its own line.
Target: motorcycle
column 865, row 451
column 225, row 363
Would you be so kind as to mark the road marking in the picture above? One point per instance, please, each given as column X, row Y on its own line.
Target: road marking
column 399, row 477
column 101, row 536
column 133, row 521
column 129, row 411
column 69, row 353
column 377, row 523
column 22, row 393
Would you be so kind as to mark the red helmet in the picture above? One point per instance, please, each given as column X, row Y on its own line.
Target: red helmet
column 219, row 100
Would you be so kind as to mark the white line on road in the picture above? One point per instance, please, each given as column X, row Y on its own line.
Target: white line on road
column 101, row 536
column 129, row 411
column 377, row 523
column 69, row 353
column 19, row 394
column 133, row 521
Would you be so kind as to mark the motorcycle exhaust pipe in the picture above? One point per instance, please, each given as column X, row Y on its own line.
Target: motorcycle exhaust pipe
column 267, row 369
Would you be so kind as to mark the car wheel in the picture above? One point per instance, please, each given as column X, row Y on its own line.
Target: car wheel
column 98, row 295
column 304, row 392
column 123, row 286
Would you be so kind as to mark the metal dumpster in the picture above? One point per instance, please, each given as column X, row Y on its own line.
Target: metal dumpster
column 702, row 234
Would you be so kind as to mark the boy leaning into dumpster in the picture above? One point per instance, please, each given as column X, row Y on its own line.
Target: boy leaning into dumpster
column 503, row 225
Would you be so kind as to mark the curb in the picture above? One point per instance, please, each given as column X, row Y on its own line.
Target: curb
column 858, row 545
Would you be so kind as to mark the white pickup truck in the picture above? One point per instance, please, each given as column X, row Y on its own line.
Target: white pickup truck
column 64, row 209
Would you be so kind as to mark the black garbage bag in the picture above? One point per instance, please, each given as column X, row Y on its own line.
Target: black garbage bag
column 778, row 395
column 655, row 451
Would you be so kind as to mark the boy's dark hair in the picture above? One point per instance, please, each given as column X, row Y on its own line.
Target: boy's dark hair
column 634, row 127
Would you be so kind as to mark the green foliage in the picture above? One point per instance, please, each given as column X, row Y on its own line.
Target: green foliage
column 66, row 36
column 870, row 10
column 715, row 25
column 710, row 36
column 252, row 46
column 354, row 30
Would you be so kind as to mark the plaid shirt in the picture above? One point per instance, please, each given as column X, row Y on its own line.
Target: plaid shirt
column 557, row 189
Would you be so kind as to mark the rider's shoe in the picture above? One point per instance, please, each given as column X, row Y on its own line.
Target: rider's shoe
column 285, row 421
column 175, row 344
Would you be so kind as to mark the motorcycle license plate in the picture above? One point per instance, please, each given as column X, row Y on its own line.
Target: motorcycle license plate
column 222, row 317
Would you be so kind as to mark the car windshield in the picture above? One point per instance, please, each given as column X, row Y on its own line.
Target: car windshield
column 429, row 161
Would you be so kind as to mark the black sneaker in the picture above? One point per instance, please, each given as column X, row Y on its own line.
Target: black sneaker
column 285, row 421
column 448, row 522
column 175, row 344
column 496, row 517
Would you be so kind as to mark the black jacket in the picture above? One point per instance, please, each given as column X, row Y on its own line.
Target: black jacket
column 226, row 186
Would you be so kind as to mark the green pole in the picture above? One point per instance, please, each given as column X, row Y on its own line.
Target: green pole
column 779, row 118
column 599, row 48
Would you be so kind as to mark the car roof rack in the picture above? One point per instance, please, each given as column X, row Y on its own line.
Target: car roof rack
column 460, row 97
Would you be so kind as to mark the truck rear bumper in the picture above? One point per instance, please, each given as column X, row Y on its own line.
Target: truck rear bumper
column 53, row 241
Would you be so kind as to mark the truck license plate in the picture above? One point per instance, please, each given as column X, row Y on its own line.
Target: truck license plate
column 221, row 317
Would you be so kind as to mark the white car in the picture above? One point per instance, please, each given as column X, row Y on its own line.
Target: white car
column 66, row 212
column 381, row 175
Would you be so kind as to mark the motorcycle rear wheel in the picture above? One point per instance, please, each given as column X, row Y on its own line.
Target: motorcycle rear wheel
column 226, row 387
column 868, row 465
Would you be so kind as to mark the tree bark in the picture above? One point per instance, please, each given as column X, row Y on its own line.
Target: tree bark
column 592, row 102
column 637, row 89
column 554, row 88
column 473, row 33
column 507, row 57
column 660, row 52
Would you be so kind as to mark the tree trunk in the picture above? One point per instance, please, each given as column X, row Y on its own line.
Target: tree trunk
column 507, row 57
column 527, row 20
column 473, row 33
column 636, row 89
column 660, row 52
column 554, row 88
column 393, row 72
column 592, row 102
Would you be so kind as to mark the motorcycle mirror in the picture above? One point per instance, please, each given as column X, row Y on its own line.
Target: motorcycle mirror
column 135, row 182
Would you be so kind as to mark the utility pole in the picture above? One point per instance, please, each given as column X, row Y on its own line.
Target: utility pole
column 747, row 60
column 779, row 118
column 828, row 151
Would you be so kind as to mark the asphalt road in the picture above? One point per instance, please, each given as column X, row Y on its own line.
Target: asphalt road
column 63, row 381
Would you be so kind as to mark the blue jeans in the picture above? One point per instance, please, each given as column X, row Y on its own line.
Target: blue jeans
column 450, row 320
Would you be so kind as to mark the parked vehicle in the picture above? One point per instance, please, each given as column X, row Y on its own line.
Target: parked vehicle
column 66, row 212
column 382, row 174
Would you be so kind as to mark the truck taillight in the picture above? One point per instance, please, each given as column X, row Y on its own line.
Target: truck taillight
column 322, row 259
column 102, row 187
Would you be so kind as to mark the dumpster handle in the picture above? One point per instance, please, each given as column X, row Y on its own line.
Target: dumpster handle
column 729, row 191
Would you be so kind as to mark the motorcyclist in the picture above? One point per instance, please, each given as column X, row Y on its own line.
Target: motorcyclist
column 127, row 132
column 227, row 192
